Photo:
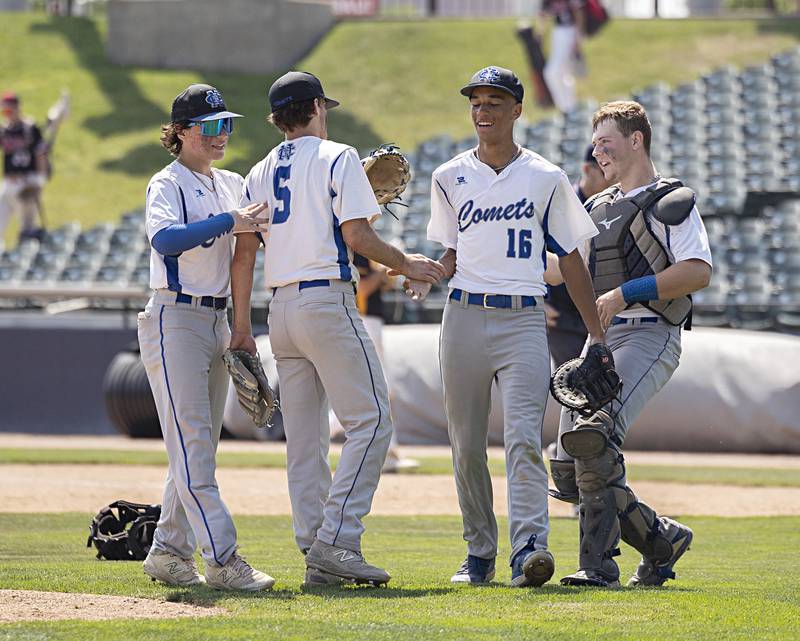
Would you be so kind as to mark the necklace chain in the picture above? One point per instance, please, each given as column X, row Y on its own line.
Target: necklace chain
column 199, row 178
column 499, row 169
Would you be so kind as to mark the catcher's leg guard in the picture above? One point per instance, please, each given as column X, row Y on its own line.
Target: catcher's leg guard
column 590, row 436
column 599, row 524
column 563, row 473
column 599, row 472
column 660, row 540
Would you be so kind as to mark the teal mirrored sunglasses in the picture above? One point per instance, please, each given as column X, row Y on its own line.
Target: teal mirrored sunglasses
column 214, row 127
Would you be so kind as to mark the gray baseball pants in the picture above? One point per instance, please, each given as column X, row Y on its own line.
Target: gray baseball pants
column 645, row 356
column 479, row 346
column 323, row 352
column 182, row 346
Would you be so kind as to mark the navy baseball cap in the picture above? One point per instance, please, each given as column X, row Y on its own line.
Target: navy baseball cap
column 297, row 86
column 198, row 103
column 503, row 79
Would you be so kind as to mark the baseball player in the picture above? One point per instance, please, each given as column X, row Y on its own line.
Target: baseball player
column 183, row 332
column 319, row 201
column 566, row 333
column 565, row 48
column 648, row 226
column 24, row 167
column 495, row 209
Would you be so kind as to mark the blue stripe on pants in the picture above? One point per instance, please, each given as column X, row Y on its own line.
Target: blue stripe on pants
column 180, row 435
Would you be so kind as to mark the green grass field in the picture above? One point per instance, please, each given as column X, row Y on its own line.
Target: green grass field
column 714, row 475
column 406, row 92
column 739, row 581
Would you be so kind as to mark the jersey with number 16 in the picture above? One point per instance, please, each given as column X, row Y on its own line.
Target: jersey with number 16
column 501, row 224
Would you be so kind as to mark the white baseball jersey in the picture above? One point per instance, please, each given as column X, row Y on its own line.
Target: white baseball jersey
column 502, row 224
column 176, row 195
column 683, row 242
column 311, row 187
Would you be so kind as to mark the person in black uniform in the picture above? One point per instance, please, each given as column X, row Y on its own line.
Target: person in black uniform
column 24, row 168
column 566, row 333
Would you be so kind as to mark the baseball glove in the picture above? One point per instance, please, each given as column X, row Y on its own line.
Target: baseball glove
column 388, row 172
column 587, row 384
column 123, row 530
column 252, row 387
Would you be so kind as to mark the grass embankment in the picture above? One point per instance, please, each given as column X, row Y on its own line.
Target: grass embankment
column 406, row 92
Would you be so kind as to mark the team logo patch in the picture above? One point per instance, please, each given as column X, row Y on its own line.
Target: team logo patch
column 214, row 98
column 199, row 193
column 607, row 223
column 285, row 151
column 460, row 180
column 490, row 74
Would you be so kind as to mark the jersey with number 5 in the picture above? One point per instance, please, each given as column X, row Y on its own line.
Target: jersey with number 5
column 500, row 225
column 311, row 186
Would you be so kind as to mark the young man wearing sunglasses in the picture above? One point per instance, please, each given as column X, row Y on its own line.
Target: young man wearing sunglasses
column 192, row 210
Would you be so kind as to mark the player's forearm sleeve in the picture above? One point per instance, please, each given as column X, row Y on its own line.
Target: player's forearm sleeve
column 178, row 238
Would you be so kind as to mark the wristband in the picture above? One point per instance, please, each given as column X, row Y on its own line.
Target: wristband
column 640, row 290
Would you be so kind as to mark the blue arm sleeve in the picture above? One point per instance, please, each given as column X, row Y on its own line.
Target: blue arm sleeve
column 640, row 290
column 179, row 238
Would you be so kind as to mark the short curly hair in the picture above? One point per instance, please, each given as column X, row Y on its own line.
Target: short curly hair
column 629, row 116
column 169, row 137
column 293, row 116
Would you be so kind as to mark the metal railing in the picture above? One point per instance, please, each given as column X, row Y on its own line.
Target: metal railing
column 528, row 8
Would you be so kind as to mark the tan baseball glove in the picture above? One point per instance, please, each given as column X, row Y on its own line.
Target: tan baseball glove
column 388, row 172
column 256, row 397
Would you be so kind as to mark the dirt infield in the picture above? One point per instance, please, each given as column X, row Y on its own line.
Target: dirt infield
column 86, row 488
column 32, row 605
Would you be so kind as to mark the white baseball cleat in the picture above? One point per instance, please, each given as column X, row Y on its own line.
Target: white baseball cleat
column 237, row 574
column 171, row 569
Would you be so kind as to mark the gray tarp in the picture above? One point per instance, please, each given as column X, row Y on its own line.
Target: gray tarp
column 735, row 391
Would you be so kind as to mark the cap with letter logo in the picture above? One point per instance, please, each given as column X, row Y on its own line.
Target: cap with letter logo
column 198, row 103
column 503, row 79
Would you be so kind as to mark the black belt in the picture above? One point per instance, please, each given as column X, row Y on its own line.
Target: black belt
column 618, row 320
column 493, row 301
column 205, row 301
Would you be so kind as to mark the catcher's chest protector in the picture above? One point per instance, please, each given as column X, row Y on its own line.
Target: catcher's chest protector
column 626, row 248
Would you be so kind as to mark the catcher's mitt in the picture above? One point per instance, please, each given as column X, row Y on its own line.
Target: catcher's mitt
column 123, row 531
column 587, row 384
column 388, row 172
column 252, row 387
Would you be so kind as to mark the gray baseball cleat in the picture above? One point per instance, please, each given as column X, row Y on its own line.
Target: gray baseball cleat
column 532, row 569
column 656, row 572
column 344, row 563
column 237, row 574
column 319, row 579
column 171, row 569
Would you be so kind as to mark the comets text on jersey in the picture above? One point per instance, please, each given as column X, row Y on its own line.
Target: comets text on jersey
column 469, row 214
